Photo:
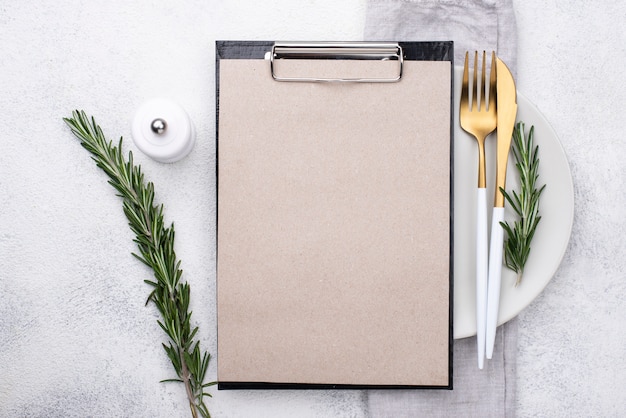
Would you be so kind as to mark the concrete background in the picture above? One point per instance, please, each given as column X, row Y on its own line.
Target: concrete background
column 75, row 337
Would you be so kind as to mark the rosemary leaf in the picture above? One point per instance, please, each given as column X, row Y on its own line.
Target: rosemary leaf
column 156, row 250
column 525, row 203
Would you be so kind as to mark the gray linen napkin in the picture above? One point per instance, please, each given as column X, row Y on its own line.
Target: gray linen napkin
column 472, row 25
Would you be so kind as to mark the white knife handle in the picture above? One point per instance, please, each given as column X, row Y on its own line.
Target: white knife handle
column 495, row 276
column 482, row 247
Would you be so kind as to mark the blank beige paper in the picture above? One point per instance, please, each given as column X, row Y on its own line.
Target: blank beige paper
column 333, row 245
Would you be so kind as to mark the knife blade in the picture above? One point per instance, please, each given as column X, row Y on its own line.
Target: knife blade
column 507, row 112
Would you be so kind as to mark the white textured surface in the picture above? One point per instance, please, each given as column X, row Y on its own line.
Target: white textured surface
column 572, row 339
column 77, row 341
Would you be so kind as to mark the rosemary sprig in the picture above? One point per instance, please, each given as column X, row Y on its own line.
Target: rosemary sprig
column 156, row 250
column 525, row 204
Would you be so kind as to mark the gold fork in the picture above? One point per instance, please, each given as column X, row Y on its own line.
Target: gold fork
column 479, row 119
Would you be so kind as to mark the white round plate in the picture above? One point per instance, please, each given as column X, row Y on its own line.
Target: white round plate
column 552, row 234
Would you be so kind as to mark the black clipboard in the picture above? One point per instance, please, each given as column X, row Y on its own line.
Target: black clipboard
column 327, row 229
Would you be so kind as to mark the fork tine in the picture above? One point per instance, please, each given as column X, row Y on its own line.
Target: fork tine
column 475, row 86
column 483, row 87
column 465, row 86
column 492, row 82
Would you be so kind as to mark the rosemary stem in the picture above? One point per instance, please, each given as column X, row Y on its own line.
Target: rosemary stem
column 156, row 250
column 186, row 381
column 525, row 203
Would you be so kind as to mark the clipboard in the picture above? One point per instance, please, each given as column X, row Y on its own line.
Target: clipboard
column 334, row 215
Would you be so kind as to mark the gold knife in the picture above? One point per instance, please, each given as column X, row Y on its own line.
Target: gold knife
column 507, row 111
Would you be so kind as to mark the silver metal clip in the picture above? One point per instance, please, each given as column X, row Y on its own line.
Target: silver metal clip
column 335, row 50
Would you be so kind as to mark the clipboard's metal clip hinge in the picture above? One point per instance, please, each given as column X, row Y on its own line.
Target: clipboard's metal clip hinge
column 382, row 51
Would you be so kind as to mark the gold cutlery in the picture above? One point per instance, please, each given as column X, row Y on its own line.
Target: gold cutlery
column 478, row 118
column 507, row 111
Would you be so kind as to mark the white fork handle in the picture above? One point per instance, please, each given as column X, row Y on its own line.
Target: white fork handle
column 482, row 247
column 495, row 276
